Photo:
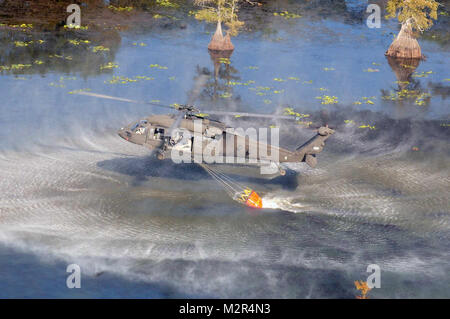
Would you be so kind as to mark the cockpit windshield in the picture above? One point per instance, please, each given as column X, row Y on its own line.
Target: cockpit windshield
column 141, row 123
column 134, row 127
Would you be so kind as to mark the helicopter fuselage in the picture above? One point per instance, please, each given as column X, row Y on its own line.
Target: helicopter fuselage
column 199, row 136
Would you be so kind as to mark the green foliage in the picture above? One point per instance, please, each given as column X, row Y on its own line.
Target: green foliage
column 220, row 11
column 420, row 12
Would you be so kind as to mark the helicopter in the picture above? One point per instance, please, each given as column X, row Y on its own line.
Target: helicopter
column 192, row 132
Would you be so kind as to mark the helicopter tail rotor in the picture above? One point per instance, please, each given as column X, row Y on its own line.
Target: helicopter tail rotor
column 308, row 151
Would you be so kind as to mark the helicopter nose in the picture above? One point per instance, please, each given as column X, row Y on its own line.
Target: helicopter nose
column 123, row 134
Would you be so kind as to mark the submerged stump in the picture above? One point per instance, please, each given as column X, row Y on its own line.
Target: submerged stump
column 405, row 44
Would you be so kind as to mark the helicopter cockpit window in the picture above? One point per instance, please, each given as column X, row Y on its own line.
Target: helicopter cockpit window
column 134, row 127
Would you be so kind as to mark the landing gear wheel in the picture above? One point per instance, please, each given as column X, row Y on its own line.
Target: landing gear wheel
column 160, row 156
column 282, row 172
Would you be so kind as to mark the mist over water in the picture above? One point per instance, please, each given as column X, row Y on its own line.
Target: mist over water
column 72, row 191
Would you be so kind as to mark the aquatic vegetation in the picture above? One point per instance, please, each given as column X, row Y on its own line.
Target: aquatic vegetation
column 287, row 15
column 155, row 101
column 252, row 67
column 125, row 80
column 120, row 9
column 78, row 42
column 326, row 99
column 290, row 111
column 172, row 78
column 224, row 60
column 233, row 83
column 141, row 44
column 279, row 80
column 307, row 82
column 157, row 66
column 368, row 100
column 367, row 126
column 77, row 27
column 22, row 44
column 420, row 98
column 293, row 78
column 421, row 74
column 446, row 80
column 38, row 62
column 99, row 48
column 377, row 64
column 167, row 4
column 267, row 101
column 78, row 91
column 305, row 123
column 329, row 69
column 157, row 16
column 60, row 56
column 261, row 88
column 226, row 95
column 371, row 70
column 323, row 89
column 14, row 67
column 278, row 91
column 109, row 65
column 352, row 122
column 60, row 85
column 23, row 26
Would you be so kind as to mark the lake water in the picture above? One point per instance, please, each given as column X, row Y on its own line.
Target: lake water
column 72, row 191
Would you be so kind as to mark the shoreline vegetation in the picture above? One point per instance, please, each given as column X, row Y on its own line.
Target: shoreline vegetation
column 36, row 35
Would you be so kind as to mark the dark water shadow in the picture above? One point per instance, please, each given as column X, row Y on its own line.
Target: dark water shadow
column 142, row 168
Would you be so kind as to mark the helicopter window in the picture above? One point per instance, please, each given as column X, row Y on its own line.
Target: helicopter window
column 135, row 126
column 158, row 133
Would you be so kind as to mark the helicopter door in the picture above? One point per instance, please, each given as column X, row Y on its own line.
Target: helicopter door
column 158, row 133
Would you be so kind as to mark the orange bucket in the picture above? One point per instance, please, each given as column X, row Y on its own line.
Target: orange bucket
column 254, row 200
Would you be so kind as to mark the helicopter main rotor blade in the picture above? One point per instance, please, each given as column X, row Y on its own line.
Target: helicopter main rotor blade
column 109, row 97
column 243, row 114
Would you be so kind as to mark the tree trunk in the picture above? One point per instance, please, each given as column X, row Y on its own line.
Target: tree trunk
column 219, row 42
column 405, row 44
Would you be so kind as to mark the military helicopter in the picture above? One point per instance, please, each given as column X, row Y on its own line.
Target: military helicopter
column 190, row 128
column 192, row 133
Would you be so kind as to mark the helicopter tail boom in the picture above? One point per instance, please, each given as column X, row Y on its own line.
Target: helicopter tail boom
column 308, row 151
